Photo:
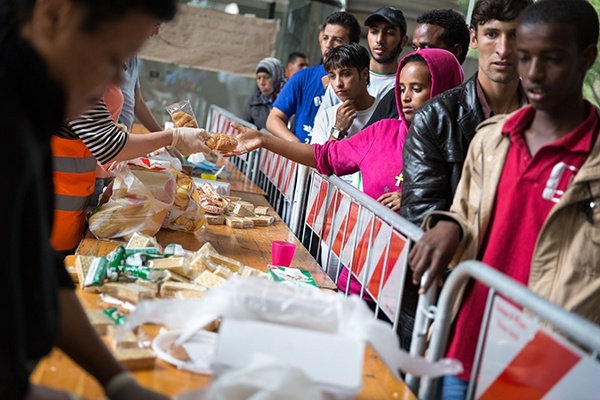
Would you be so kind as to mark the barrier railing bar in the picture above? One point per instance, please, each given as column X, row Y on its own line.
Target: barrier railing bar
column 385, row 261
column 424, row 315
column 331, row 239
column 369, row 253
column 393, row 219
column 572, row 325
column 481, row 342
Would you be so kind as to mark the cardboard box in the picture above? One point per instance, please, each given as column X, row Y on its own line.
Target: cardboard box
column 333, row 361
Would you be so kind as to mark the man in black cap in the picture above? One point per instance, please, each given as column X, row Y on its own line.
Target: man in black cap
column 387, row 37
column 441, row 29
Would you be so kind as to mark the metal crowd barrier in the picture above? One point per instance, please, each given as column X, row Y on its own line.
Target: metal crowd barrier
column 352, row 230
column 285, row 184
column 219, row 120
column 583, row 368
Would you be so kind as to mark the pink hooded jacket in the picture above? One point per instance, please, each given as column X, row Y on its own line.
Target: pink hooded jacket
column 377, row 150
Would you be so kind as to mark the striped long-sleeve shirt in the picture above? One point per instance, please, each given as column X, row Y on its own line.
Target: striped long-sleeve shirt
column 98, row 132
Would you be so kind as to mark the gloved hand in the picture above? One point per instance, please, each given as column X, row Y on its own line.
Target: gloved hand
column 189, row 140
column 125, row 387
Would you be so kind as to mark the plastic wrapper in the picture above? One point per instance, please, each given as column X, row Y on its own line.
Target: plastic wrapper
column 249, row 298
column 263, row 378
column 182, row 114
column 211, row 201
column 142, row 194
column 187, row 213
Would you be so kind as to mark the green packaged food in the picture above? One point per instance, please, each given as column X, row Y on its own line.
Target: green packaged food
column 117, row 316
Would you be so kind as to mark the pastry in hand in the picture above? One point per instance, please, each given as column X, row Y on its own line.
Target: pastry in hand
column 183, row 119
column 220, row 142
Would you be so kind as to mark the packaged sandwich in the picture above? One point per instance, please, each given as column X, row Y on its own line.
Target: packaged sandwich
column 182, row 114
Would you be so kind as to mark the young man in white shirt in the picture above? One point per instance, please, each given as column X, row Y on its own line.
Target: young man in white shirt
column 347, row 67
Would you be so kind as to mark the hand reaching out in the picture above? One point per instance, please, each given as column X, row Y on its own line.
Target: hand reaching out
column 391, row 200
column 248, row 140
column 434, row 252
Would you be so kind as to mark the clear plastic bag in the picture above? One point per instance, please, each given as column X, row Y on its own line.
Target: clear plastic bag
column 182, row 114
column 142, row 193
column 186, row 214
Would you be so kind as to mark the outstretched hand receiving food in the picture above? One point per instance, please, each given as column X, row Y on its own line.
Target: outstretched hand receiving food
column 247, row 140
column 391, row 200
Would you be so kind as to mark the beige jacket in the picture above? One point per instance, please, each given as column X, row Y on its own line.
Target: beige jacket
column 566, row 263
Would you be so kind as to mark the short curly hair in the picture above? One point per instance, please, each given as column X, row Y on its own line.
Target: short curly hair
column 346, row 20
column 455, row 28
column 580, row 14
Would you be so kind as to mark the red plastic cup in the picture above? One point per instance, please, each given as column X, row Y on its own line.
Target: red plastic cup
column 282, row 253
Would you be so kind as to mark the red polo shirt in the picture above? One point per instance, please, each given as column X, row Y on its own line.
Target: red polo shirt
column 526, row 194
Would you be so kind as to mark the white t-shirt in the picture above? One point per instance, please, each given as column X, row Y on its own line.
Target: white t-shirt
column 379, row 85
column 325, row 121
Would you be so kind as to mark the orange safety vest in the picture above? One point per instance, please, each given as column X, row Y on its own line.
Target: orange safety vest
column 74, row 180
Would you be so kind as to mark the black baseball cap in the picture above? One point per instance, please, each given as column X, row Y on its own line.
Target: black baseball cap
column 392, row 15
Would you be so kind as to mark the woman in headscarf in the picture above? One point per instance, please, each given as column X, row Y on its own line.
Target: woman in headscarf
column 270, row 77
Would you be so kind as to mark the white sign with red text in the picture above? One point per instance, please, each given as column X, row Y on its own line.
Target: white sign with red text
column 524, row 360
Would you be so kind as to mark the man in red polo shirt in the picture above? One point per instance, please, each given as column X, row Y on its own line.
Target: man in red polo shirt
column 527, row 200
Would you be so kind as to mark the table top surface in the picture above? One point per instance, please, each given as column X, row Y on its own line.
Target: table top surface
column 239, row 182
column 253, row 248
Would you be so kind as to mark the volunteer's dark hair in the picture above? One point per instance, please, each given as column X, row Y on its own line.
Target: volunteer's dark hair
column 501, row 10
column 94, row 12
column 580, row 14
column 455, row 28
column 294, row 55
column 351, row 55
column 346, row 20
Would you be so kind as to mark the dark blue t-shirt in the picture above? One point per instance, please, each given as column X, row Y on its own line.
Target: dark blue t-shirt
column 302, row 95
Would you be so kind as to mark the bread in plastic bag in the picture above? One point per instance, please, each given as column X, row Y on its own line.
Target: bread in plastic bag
column 142, row 193
column 186, row 213
column 182, row 114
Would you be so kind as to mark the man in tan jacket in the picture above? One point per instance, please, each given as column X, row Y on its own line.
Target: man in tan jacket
column 527, row 202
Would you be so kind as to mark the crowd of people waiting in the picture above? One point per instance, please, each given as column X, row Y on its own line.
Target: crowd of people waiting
column 504, row 163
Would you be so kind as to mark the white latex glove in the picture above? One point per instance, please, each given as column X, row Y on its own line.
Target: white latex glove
column 189, row 140
column 125, row 387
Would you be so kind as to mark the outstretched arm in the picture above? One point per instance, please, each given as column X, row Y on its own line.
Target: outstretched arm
column 251, row 139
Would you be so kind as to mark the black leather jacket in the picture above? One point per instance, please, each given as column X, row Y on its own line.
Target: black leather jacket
column 435, row 150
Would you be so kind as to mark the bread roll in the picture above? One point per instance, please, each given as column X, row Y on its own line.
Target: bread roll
column 183, row 119
column 220, row 142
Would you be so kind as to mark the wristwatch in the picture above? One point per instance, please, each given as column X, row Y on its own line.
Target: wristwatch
column 337, row 134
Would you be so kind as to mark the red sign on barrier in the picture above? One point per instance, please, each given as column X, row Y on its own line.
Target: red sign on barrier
column 524, row 360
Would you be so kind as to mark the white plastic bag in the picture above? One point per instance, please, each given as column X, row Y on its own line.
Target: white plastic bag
column 263, row 378
column 142, row 193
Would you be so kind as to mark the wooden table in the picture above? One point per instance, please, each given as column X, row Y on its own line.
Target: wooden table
column 252, row 247
column 59, row 372
column 239, row 182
